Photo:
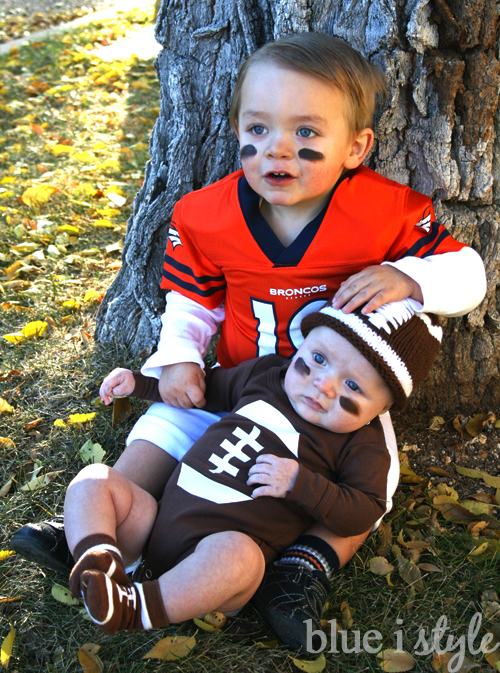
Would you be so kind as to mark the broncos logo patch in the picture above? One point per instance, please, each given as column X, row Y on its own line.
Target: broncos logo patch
column 174, row 237
column 425, row 222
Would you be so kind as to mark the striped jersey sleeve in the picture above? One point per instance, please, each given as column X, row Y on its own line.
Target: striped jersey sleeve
column 187, row 270
column 421, row 236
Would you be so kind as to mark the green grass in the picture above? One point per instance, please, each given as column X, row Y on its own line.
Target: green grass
column 84, row 102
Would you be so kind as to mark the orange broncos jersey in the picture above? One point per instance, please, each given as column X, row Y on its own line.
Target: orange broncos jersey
column 221, row 249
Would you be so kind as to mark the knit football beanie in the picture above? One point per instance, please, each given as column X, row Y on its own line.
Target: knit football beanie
column 400, row 343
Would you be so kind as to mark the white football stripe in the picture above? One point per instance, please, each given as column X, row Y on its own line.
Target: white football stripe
column 435, row 330
column 198, row 484
column 146, row 620
column 269, row 417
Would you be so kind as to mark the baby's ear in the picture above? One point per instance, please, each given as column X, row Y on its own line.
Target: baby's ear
column 360, row 147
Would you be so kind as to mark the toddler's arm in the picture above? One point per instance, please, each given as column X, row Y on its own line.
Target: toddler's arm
column 448, row 284
column 184, row 339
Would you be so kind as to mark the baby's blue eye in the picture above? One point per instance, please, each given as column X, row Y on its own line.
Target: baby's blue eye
column 258, row 130
column 353, row 386
column 318, row 358
column 305, row 133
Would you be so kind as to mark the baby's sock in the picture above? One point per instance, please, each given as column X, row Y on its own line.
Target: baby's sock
column 114, row 607
column 313, row 553
column 97, row 552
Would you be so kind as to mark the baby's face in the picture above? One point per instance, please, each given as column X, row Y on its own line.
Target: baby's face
column 330, row 384
column 294, row 137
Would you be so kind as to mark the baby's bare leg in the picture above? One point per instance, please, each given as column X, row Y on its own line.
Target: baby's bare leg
column 101, row 501
column 222, row 574
column 146, row 465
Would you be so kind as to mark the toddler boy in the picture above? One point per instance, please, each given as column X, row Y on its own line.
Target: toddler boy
column 303, row 443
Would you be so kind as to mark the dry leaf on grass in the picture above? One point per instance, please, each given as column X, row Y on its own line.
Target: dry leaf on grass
column 4, row 490
column 171, row 648
column 5, row 407
column 89, row 661
column 63, row 595
column 347, row 619
column 7, row 647
column 121, row 410
column 39, row 482
column 37, row 196
column 311, row 666
column 395, row 660
column 92, row 453
column 380, row 566
column 200, row 623
column 442, row 663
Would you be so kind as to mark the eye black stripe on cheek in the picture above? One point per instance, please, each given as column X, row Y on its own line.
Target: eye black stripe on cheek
column 310, row 155
column 349, row 406
column 248, row 151
column 301, row 367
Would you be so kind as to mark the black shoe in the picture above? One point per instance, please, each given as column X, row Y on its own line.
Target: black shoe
column 44, row 543
column 288, row 595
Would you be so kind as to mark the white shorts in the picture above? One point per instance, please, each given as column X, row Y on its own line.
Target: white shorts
column 173, row 430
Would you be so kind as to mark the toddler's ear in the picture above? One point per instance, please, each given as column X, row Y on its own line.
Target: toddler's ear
column 360, row 147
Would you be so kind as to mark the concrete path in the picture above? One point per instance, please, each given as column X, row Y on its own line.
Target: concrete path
column 142, row 42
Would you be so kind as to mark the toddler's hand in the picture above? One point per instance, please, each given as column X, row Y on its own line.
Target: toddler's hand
column 277, row 476
column 374, row 286
column 119, row 383
column 183, row 385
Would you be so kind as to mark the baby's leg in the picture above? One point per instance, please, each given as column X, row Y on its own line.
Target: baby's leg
column 146, row 465
column 107, row 522
column 223, row 573
column 159, row 439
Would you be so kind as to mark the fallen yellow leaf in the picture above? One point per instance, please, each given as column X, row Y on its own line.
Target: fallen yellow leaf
column 37, row 196
column 89, row 661
column 63, row 149
column 171, row 648
column 311, row 666
column 7, row 647
column 81, row 418
column 72, row 303
column 5, row 407
column 63, row 595
column 206, row 627
column 85, row 157
column 34, row 329
column 395, row 661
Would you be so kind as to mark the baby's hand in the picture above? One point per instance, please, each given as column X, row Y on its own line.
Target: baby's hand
column 277, row 476
column 374, row 286
column 119, row 383
column 182, row 385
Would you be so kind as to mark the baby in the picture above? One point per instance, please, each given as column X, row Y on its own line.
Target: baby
column 303, row 443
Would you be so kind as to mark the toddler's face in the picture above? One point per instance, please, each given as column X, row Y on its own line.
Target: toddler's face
column 330, row 384
column 294, row 138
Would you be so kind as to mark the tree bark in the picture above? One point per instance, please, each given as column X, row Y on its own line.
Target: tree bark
column 437, row 134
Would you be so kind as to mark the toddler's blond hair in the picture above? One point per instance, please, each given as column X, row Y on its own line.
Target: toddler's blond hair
column 329, row 58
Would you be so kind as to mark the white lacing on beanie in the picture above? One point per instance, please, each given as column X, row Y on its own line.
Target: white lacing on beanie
column 394, row 314
column 376, row 343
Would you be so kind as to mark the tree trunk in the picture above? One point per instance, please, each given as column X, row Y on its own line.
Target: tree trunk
column 437, row 134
